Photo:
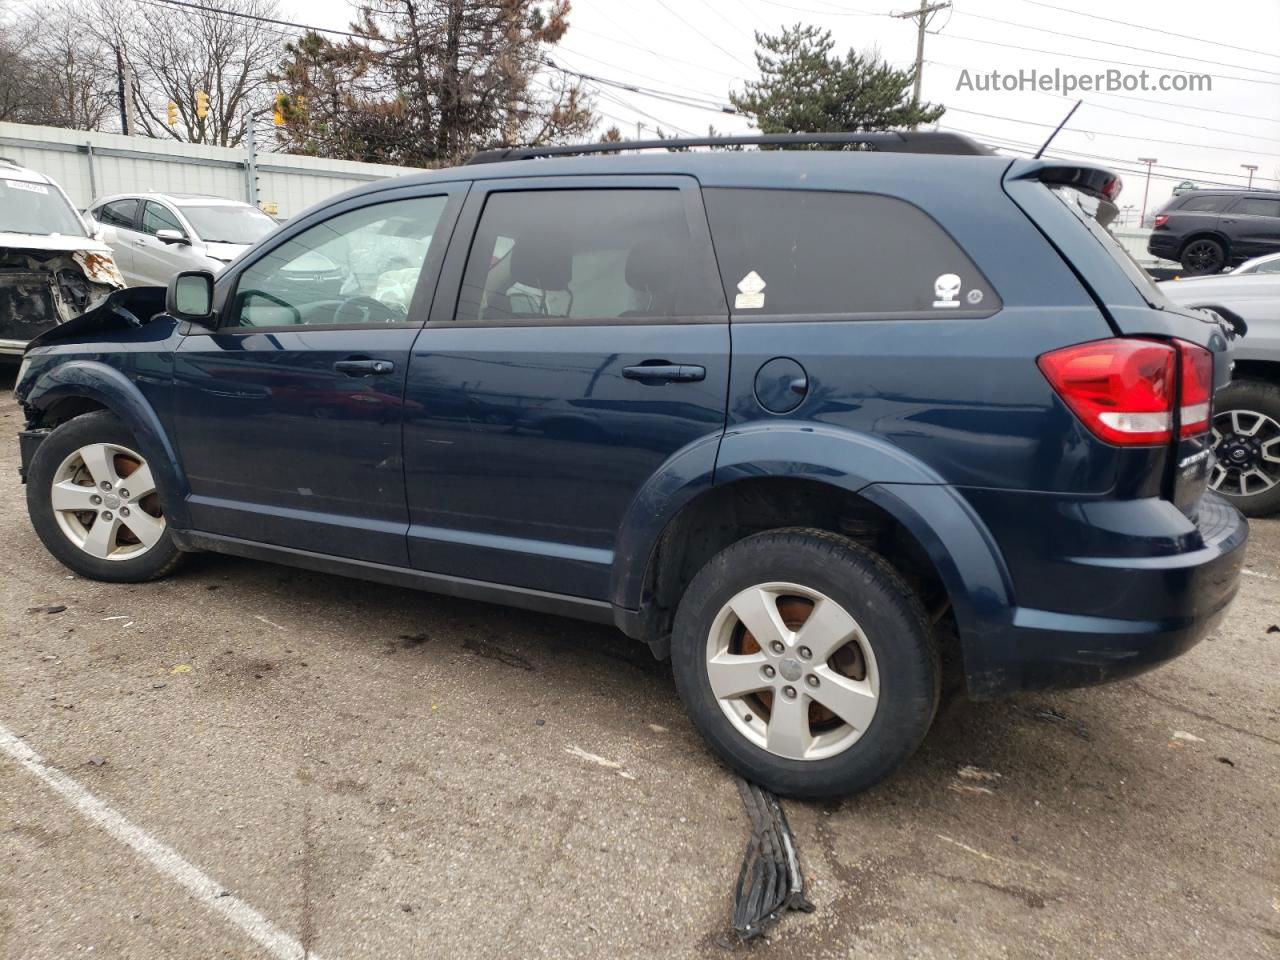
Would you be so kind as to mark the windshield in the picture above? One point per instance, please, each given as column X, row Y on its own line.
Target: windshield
column 1085, row 208
column 227, row 223
column 37, row 208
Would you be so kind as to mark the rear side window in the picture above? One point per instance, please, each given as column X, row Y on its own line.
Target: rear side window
column 556, row 256
column 118, row 213
column 806, row 252
column 1204, row 205
column 1257, row 207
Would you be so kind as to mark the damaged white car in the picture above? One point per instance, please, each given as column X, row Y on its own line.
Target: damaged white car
column 51, row 268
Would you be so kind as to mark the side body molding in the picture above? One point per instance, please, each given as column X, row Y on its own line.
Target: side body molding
column 111, row 388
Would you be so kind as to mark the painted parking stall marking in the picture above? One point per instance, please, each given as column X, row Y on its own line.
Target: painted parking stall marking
column 163, row 858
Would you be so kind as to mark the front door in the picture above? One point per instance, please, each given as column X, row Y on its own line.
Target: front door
column 288, row 416
column 578, row 342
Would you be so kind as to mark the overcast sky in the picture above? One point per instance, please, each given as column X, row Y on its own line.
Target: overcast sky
column 702, row 48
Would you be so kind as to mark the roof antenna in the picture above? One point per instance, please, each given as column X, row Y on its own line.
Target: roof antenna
column 1045, row 146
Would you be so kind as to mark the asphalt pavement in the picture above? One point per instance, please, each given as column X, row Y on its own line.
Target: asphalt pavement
column 246, row 760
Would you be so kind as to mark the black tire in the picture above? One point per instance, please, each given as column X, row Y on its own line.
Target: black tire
column 1203, row 255
column 1258, row 398
column 890, row 615
column 90, row 428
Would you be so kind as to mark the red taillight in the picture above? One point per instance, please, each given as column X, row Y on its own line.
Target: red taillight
column 1123, row 390
column 1111, row 189
column 1126, row 390
column 1160, row 220
column 1197, row 388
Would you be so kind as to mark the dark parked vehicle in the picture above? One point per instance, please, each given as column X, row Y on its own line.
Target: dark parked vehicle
column 820, row 426
column 1208, row 230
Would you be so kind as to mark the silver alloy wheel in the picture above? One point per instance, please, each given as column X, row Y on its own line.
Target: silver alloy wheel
column 802, row 690
column 1246, row 446
column 104, row 500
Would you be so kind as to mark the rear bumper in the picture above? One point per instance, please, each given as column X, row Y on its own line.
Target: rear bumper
column 1138, row 599
column 1163, row 245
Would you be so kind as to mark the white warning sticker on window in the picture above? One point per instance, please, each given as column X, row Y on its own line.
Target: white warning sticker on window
column 30, row 187
column 751, row 292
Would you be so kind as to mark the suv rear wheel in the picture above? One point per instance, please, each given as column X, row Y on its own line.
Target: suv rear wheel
column 1203, row 255
column 93, row 502
column 1246, row 443
column 806, row 662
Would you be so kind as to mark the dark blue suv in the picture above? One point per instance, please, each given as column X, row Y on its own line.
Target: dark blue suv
column 823, row 427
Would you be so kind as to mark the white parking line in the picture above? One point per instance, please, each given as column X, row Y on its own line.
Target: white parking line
column 165, row 859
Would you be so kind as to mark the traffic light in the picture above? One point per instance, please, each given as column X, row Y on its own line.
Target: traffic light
column 173, row 114
column 202, row 104
column 277, row 116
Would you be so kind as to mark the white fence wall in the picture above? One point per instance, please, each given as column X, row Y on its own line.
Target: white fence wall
column 90, row 165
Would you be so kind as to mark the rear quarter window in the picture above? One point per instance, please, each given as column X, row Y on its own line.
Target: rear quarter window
column 801, row 253
column 1203, row 205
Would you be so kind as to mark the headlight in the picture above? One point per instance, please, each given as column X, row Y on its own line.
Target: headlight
column 22, row 370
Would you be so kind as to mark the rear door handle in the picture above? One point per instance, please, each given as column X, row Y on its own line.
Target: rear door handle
column 664, row 372
column 364, row 368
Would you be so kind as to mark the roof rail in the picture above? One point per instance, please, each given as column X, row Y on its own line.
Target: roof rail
column 12, row 163
column 911, row 142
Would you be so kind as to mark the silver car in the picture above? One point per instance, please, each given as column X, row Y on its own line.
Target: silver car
column 156, row 235
column 1246, row 425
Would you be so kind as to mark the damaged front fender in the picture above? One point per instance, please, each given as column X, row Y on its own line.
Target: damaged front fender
column 41, row 289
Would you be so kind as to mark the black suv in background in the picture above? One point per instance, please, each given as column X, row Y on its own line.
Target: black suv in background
column 1206, row 230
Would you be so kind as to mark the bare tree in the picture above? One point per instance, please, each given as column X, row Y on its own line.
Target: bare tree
column 176, row 52
column 52, row 71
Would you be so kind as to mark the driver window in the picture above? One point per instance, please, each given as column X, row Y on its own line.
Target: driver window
column 156, row 218
column 359, row 267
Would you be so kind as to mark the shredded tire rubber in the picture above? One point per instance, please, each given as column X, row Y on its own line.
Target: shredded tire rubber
column 770, row 882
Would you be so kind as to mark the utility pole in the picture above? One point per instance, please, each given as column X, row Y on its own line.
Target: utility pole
column 124, row 74
column 923, row 17
column 251, row 159
column 1145, row 190
column 1250, row 167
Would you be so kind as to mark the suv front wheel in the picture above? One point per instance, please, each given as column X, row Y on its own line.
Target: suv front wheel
column 806, row 662
column 93, row 502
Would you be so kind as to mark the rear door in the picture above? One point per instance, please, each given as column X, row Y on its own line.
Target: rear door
column 578, row 343
column 1253, row 223
column 119, row 222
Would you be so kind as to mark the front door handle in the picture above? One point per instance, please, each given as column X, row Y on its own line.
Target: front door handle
column 364, row 368
column 665, row 372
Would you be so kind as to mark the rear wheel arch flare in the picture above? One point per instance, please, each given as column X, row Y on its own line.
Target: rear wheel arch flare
column 727, row 513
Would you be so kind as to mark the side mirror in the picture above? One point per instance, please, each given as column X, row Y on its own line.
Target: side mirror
column 172, row 236
column 190, row 297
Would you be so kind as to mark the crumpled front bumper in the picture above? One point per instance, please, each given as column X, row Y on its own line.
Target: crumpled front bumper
column 40, row 289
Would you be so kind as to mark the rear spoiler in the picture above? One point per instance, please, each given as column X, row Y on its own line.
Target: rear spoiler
column 1098, row 182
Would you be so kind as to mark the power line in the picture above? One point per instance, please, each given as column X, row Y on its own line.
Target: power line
column 1122, row 136
column 1146, row 116
column 655, row 53
column 1112, row 43
column 643, row 91
column 253, row 16
column 1139, row 26
column 1081, row 56
column 1056, row 152
column 664, row 6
